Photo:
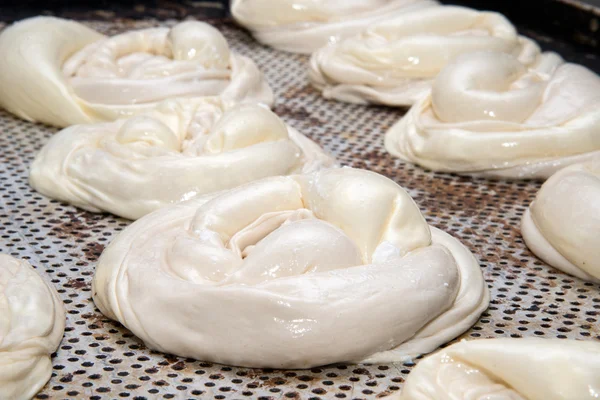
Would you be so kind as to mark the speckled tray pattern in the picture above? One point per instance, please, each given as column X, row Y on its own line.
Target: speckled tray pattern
column 100, row 359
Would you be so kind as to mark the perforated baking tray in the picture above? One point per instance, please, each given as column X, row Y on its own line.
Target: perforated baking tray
column 100, row 359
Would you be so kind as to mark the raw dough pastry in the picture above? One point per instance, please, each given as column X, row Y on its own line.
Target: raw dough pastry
column 292, row 272
column 132, row 166
column 508, row 369
column 395, row 61
column 303, row 26
column 62, row 73
column 488, row 114
column 562, row 225
column 32, row 323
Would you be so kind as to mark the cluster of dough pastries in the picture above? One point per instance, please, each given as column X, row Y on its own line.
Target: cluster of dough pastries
column 252, row 248
column 508, row 369
column 303, row 26
column 292, row 272
column 562, row 225
column 182, row 149
column 489, row 114
column 484, row 99
column 32, row 323
column 394, row 61
column 62, row 73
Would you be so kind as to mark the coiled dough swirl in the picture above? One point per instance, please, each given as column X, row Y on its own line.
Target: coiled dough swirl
column 32, row 323
column 562, row 225
column 136, row 165
column 395, row 61
column 303, row 26
column 63, row 73
column 508, row 369
column 292, row 272
column 489, row 114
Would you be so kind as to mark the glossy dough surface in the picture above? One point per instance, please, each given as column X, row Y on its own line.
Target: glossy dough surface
column 32, row 323
column 489, row 114
column 303, row 26
column 562, row 225
column 508, row 369
column 136, row 165
column 292, row 272
column 63, row 73
column 394, row 61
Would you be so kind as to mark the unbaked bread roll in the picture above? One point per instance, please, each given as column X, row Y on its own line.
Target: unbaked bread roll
column 303, row 26
column 136, row 165
column 488, row 114
column 32, row 323
column 562, row 225
column 292, row 272
column 508, row 369
column 62, row 73
column 395, row 61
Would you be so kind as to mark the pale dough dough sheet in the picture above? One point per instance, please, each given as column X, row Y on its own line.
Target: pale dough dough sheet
column 508, row 369
column 62, row 73
column 32, row 323
column 562, row 225
column 489, row 114
column 292, row 272
column 304, row 26
column 395, row 61
column 180, row 150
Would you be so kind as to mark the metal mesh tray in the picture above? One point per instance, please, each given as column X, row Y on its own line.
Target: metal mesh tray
column 101, row 359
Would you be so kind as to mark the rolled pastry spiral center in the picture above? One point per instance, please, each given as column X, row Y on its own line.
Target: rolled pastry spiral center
column 284, row 227
column 485, row 86
column 151, row 64
column 240, row 127
column 276, row 245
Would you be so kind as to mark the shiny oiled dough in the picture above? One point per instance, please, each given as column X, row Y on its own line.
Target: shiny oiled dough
column 182, row 149
column 394, row 61
column 508, row 369
column 304, row 26
column 489, row 114
column 292, row 272
column 562, row 225
column 32, row 323
column 63, row 73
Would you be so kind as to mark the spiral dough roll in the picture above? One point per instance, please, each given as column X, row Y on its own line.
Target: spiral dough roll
column 562, row 225
column 136, row 165
column 508, row 369
column 489, row 114
column 292, row 272
column 394, row 62
column 32, row 323
column 63, row 73
column 303, row 26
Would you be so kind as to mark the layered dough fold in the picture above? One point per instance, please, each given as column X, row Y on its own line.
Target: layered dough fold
column 136, row 165
column 394, row 61
column 303, row 26
column 292, row 272
column 508, row 369
column 32, row 323
column 62, row 73
column 562, row 225
column 489, row 114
